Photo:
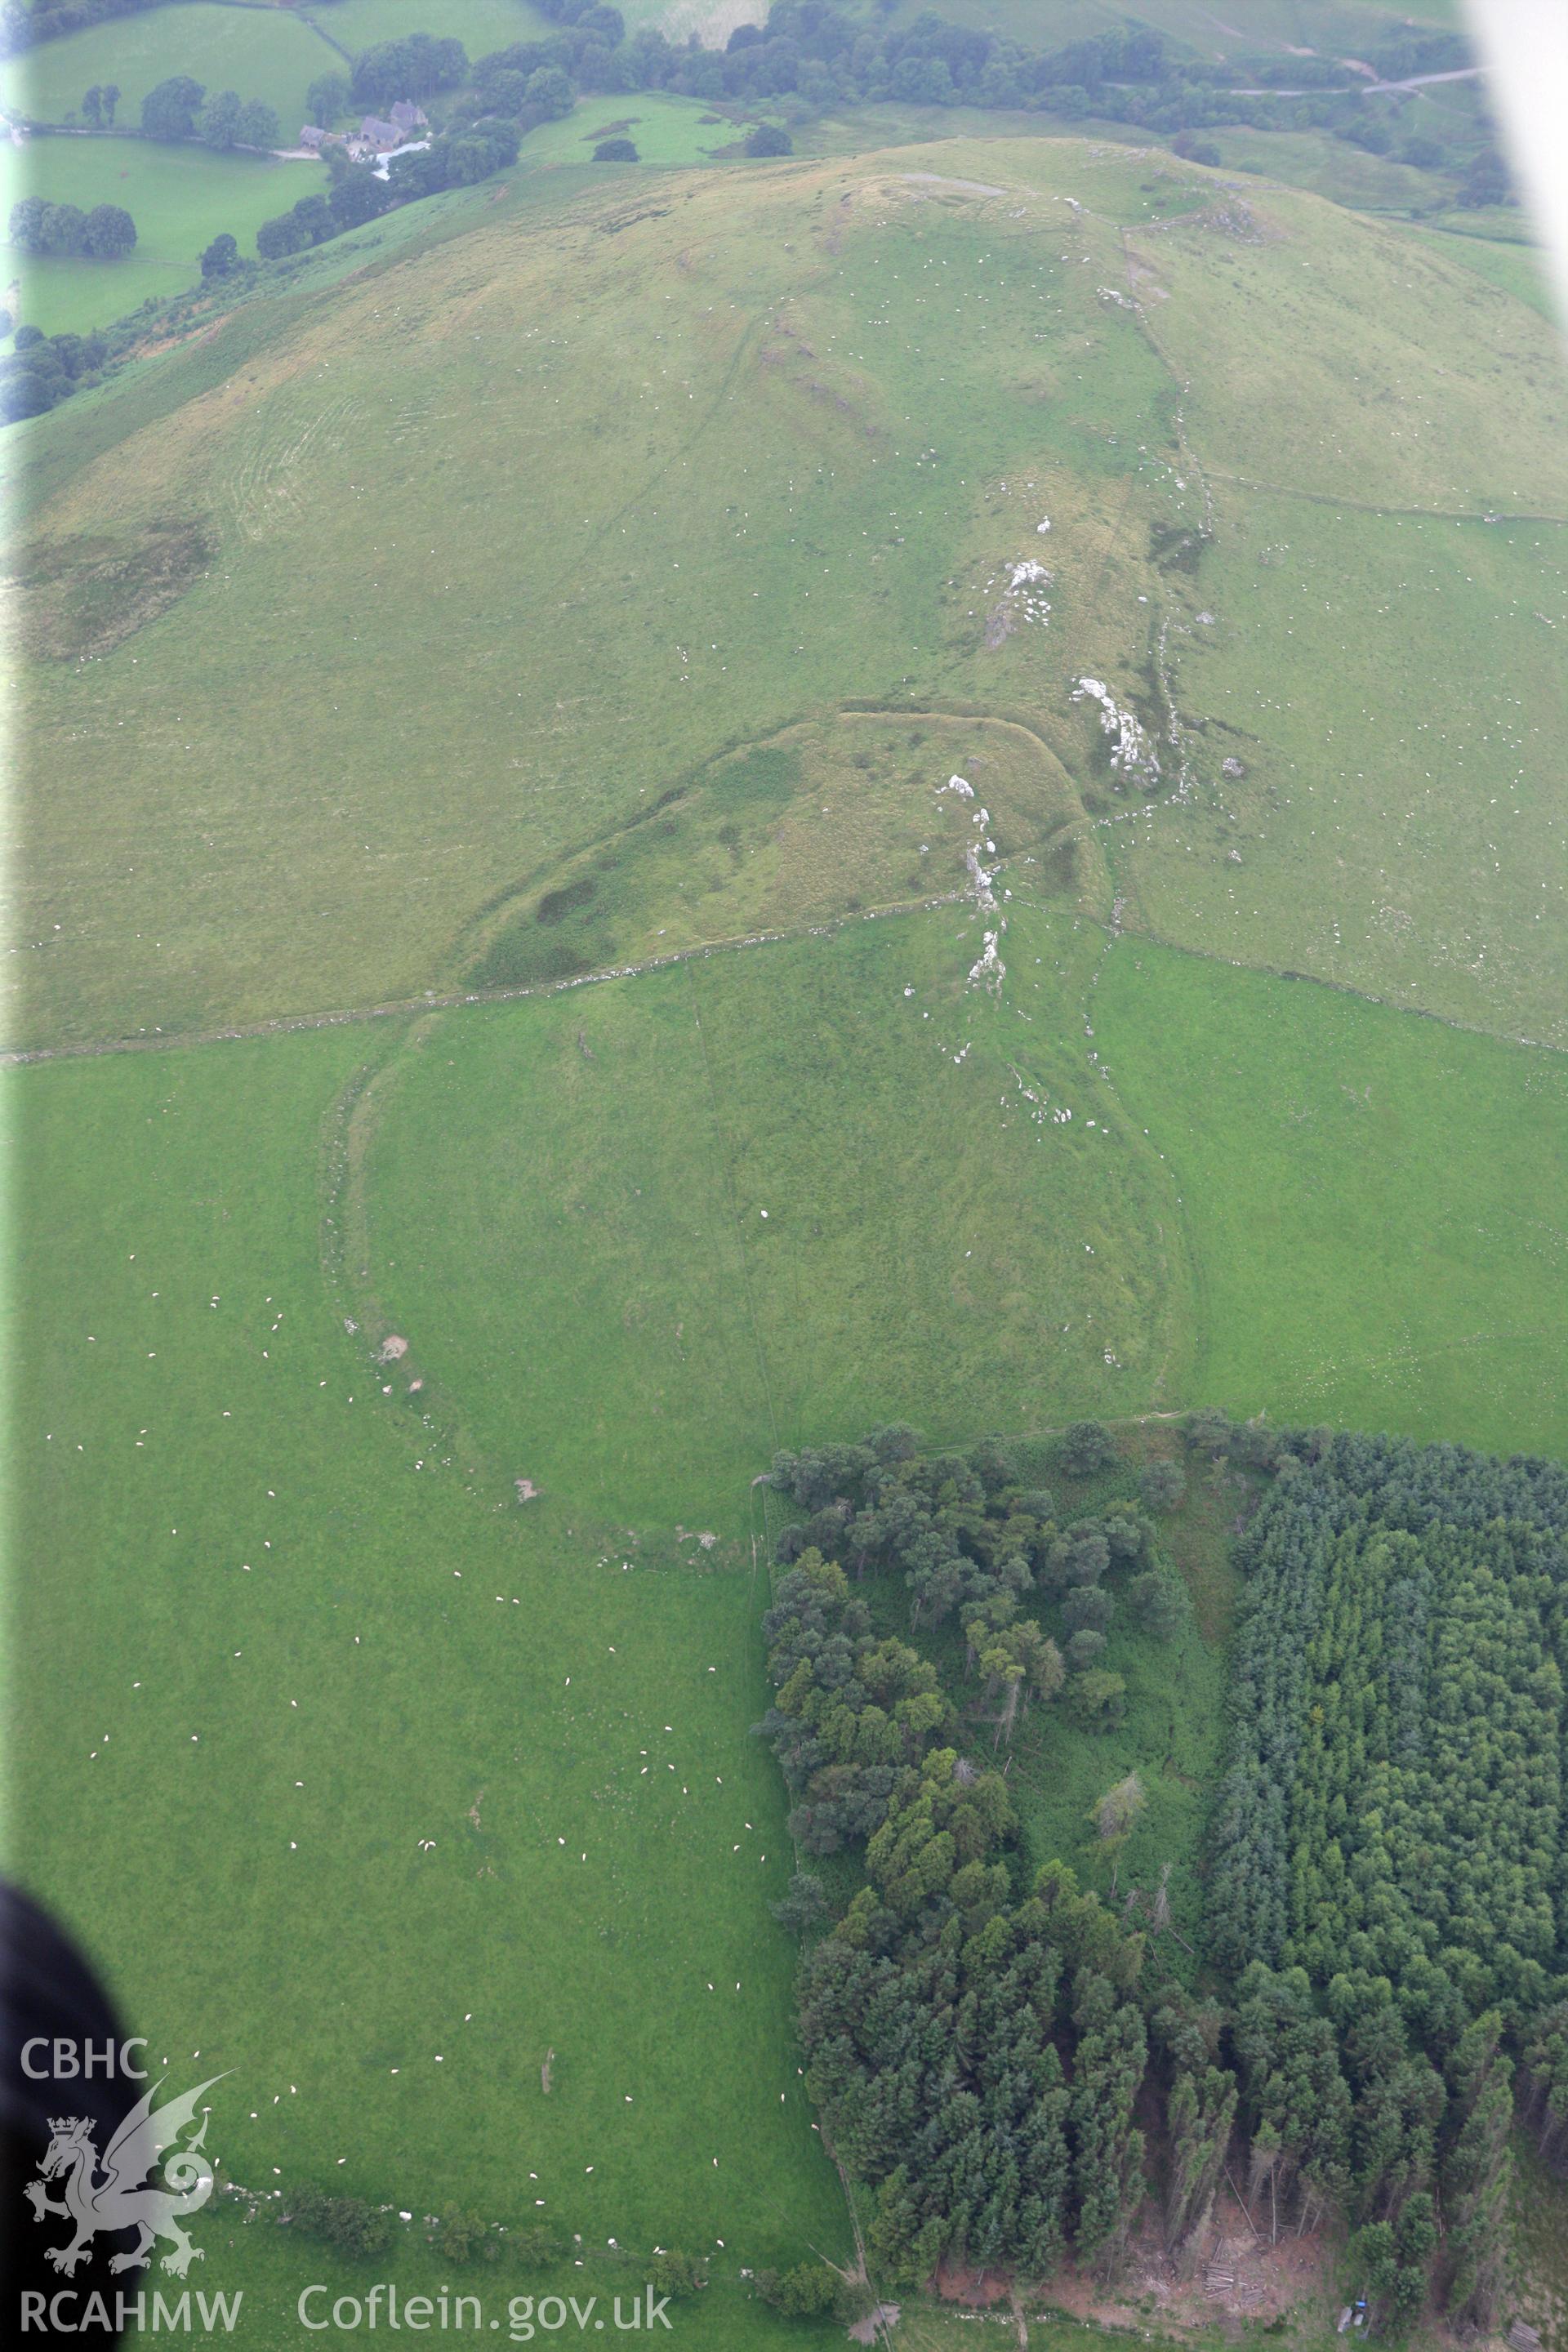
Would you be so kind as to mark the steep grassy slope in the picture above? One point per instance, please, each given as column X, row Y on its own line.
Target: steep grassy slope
column 1247, row 25
column 673, row 406
column 477, row 557
column 1313, row 404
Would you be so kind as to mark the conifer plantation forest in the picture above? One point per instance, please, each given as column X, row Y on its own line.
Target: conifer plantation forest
column 1008, row 2062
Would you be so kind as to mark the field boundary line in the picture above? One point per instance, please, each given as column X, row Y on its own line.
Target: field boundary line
column 347, row 1131
column 1343, row 988
column 446, row 1001
column 1420, row 1355
column 1363, row 506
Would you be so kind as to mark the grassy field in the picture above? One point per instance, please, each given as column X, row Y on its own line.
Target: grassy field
column 311, row 1628
column 821, row 388
column 588, row 569
column 266, row 52
column 665, row 130
column 1371, row 1200
column 1506, row 262
column 298, row 1636
column 1307, row 405
column 179, row 197
column 847, row 814
column 270, row 2266
column 1397, row 826
column 1332, row 27
column 566, row 1221
column 1314, row 161
column 481, row 25
column 287, row 1635
column 1326, row 166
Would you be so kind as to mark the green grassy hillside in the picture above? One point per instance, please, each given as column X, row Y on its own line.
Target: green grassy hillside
column 1331, row 27
column 1387, row 685
column 481, row 25
column 838, row 390
column 742, row 1203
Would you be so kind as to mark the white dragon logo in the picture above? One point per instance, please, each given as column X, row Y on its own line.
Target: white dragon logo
column 120, row 2200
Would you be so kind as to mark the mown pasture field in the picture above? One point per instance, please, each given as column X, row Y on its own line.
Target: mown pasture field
column 1371, row 1200
column 179, row 197
column 266, row 52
